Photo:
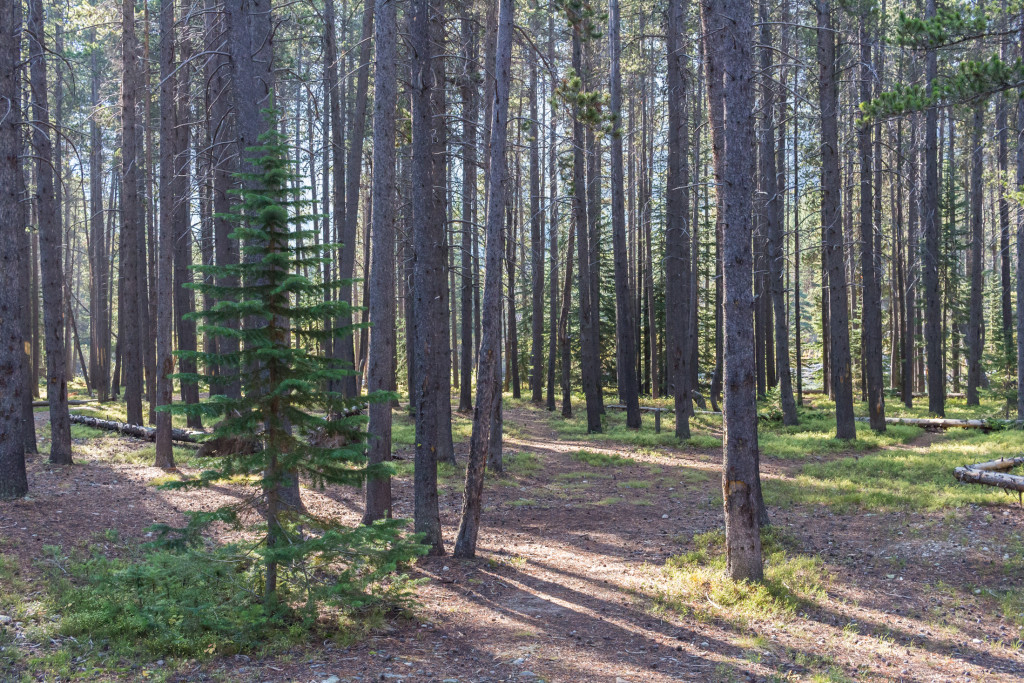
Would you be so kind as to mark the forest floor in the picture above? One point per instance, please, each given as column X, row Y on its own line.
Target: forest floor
column 600, row 560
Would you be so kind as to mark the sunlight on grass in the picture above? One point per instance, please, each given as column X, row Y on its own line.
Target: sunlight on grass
column 83, row 432
column 901, row 479
column 600, row 459
column 403, row 428
column 815, row 435
column 696, row 583
column 616, row 431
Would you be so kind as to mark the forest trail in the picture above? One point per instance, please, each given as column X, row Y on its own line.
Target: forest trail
column 569, row 583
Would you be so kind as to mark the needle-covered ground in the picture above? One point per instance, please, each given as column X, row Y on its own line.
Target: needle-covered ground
column 600, row 560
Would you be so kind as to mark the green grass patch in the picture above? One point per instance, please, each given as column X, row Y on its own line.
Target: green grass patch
column 696, row 583
column 523, row 502
column 815, row 435
column 600, row 459
column 610, row 500
column 521, row 464
column 900, row 479
column 614, row 430
column 704, row 441
column 82, row 432
column 634, row 484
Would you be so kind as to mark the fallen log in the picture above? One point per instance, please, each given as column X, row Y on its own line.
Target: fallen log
column 137, row 431
column 998, row 465
column 944, row 422
column 72, row 402
column 971, row 475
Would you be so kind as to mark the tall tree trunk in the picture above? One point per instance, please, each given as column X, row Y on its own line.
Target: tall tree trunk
column 343, row 346
column 429, row 281
column 831, row 220
column 1020, row 251
column 728, row 35
column 470, row 113
column 14, row 393
column 536, row 244
column 589, row 355
column 776, row 239
column 930, row 224
column 490, row 349
column 184, row 297
column 223, row 159
column 552, row 221
column 975, row 266
column 99, row 357
column 910, row 293
column 130, row 338
column 49, row 244
column 871, row 307
column 380, row 369
column 678, row 298
column 169, row 188
column 625, row 346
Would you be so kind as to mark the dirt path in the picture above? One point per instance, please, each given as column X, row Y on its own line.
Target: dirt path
column 571, row 555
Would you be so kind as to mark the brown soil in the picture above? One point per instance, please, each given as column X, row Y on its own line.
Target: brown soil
column 570, row 556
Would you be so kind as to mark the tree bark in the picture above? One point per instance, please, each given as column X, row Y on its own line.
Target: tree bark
column 871, row 306
column 488, row 364
column 678, row 297
column 14, row 393
column 831, row 219
column 776, row 239
column 380, row 369
column 930, row 225
column 589, row 355
column 728, row 36
column 536, row 245
column 49, row 244
column 974, row 266
column 431, row 341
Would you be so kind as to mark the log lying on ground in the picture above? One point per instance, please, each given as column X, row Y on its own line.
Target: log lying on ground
column 944, row 422
column 137, row 431
column 972, row 475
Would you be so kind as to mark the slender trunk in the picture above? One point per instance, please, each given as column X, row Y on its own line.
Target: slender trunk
column 728, row 34
column 49, row 244
column 343, row 346
column 552, row 223
column 774, row 217
column 536, row 245
column 165, row 248
column 589, row 355
column 490, row 352
column 678, row 296
column 14, row 393
column 470, row 113
column 831, row 220
column 380, row 368
column 930, row 261
column 625, row 364
column 871, row 306
column 975, row 267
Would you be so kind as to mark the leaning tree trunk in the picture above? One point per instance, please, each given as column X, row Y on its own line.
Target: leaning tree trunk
column 728, row 35
column 48, row 214
column 488, row 365
column 552, row 227
column 625, row 330
column 831, row 219
column 14, row 392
